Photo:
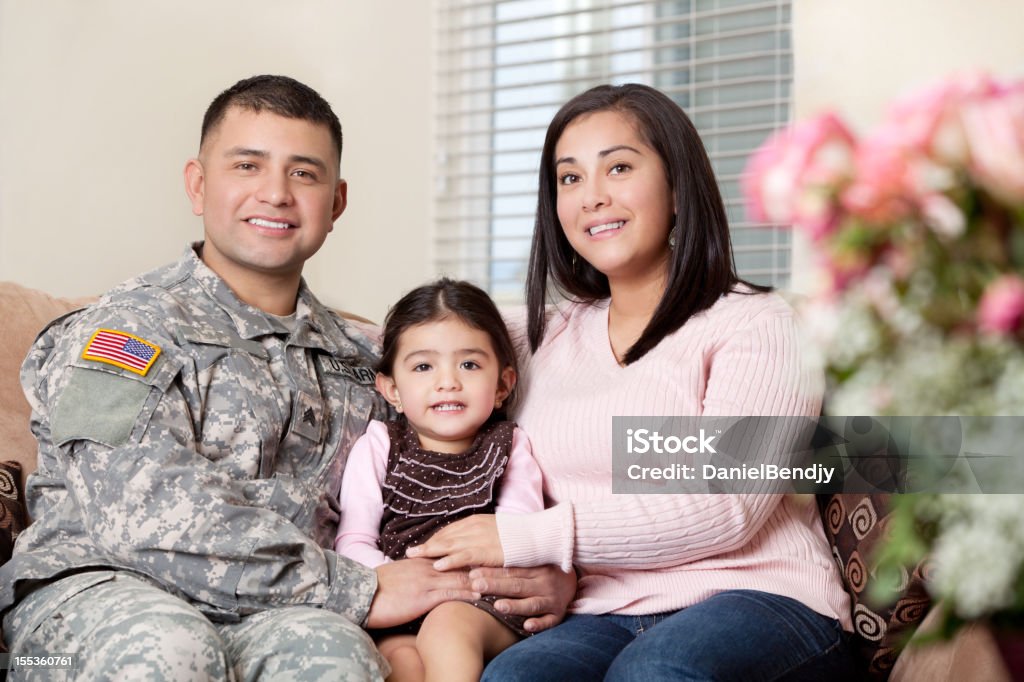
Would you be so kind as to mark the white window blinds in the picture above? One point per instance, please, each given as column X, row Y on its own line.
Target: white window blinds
column 505, row 67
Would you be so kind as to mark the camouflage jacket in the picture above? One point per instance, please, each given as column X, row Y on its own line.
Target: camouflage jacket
column 198, row 441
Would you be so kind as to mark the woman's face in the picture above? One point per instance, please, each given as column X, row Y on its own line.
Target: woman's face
column 613, row 197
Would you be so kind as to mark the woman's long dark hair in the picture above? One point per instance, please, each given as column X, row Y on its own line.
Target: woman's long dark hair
column 700, row 267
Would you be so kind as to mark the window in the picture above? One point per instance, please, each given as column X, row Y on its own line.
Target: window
column 505, row 67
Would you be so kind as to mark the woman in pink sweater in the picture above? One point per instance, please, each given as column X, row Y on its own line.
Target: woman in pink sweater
column 631, row 226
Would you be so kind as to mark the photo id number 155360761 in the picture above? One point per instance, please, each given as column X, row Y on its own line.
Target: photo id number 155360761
column 38, row 662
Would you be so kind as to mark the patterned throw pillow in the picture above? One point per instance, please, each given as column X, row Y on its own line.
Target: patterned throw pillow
column 13, row 517
column 855, row 524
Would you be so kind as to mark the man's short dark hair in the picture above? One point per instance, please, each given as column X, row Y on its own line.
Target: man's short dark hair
column 279, row 95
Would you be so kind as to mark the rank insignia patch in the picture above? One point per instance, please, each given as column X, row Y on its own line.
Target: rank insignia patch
column 121, row 349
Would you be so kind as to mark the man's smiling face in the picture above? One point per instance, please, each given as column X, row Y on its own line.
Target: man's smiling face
column 268, row 190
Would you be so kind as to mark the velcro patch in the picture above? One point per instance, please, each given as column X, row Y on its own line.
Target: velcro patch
column 99, row 406
column 121, row 349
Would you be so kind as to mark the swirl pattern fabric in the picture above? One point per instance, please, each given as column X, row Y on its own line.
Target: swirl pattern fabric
column 13, row 517
column 854, row 525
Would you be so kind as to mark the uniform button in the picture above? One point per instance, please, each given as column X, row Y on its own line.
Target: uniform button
column 250, row 491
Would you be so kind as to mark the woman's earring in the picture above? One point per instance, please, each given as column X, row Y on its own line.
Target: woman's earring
column 497, row 403
column 672, row 239
column 574, row 261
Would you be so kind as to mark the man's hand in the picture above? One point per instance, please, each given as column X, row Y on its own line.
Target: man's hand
column 473, row 541
column 543, row 592
column 409, row 588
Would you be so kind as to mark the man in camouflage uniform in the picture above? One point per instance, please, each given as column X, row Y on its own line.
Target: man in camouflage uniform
column 192, row 431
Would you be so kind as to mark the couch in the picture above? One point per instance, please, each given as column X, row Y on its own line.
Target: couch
column 970, row 656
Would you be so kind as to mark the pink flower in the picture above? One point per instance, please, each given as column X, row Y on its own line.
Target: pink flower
column 795, row 175
column 929, row 119
column 881, row 191
column 969, row 121
column 1001, row 309
column 894, row 182
column 994, row 129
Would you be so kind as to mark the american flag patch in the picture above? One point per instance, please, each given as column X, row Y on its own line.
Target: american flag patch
column 124, row 350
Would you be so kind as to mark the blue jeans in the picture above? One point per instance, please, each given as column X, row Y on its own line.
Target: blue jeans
column 736, row 635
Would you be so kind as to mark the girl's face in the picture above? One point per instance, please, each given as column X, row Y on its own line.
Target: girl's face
column 446, row 380
column 613, row 198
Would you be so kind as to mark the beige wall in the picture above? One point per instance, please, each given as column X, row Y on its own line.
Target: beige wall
column 101, row 106
column 102, row 99
column 854, row 56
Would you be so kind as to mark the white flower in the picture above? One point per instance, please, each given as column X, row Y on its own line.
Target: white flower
column 944, row 216
column 979, row 552
column 1009, row 389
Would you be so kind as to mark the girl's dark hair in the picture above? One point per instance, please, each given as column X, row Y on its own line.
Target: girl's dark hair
column 700, row 268
column 437, row 301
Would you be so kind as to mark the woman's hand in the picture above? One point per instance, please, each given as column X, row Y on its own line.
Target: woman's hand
column 470, row 542
column 543, row 592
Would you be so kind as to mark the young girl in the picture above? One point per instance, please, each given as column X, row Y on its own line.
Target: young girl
column 447, row 366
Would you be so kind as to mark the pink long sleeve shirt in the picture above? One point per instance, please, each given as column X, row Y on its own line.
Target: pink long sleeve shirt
column 362, row 502
column 642, row 554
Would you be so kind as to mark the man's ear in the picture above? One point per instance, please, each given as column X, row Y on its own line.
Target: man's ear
column 506, row 382
column 387, row 388
column 340, row 199
column 195, row 184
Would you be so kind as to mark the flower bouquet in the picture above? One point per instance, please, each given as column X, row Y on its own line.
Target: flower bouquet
column 917, row 308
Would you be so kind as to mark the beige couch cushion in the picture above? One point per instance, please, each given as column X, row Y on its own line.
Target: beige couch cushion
column 24, row 312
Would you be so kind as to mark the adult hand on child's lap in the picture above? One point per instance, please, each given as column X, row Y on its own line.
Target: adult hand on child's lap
column 542, row 592
column 409, row 588
column 470, row 542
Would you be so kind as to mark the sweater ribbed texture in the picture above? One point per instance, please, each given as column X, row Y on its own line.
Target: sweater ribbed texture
column 641, row 554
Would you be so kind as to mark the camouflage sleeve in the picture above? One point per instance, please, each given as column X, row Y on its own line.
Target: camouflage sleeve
column 124, row 441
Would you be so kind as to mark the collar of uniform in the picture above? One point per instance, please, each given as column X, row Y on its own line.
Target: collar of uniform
column 315, row 323
column 249, row 321
column 313, row 320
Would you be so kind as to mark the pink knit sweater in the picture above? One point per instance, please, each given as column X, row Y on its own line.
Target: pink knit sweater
column 642, row 554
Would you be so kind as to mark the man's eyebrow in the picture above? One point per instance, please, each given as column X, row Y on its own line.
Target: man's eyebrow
column 603, row 153
column 263, row 154
column 311, row 160
column 245, row 151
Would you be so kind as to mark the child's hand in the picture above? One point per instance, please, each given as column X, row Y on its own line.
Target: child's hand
column 469, row 542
